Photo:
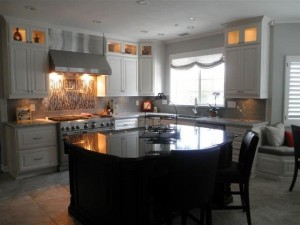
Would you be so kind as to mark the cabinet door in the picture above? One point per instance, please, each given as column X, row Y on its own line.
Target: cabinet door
column 20, row 69
column 250, row 70
column 130, row 80
column 39, row 65
column 130, row 146
column 114, row 82
column 232, row 71
column 146, row 76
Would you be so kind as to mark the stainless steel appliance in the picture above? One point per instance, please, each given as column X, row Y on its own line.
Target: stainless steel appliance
column 76, row 125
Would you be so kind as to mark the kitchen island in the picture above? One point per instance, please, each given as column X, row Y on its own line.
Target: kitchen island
column 112, row 174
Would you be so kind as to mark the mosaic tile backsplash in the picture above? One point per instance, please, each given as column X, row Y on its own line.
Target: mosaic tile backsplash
column 71, row 93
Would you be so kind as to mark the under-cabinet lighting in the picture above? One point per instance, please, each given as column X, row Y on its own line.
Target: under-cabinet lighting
column 55, row 77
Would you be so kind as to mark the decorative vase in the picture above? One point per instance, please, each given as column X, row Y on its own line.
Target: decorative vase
column 36, row 39
column 213, row 113
column 17, row 35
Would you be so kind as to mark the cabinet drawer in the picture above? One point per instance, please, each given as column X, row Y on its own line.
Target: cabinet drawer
column 36, row 137
column 38, row 158
column 126, row 123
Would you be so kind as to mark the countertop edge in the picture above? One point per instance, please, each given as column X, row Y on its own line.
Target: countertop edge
column 36, row 122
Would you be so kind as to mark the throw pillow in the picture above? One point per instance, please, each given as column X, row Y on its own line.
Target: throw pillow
column 275, row 135
column 289, row 138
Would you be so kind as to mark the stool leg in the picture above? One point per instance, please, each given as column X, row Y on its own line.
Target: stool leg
column 294, row 177
column 247, row 202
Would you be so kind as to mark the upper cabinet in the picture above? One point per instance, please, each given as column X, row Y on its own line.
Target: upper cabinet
column 247, row 58
column 243, row 34
column 123, row 60
column 117, row 47
column 124, row 78
column 25, row 59
column 27, row 34
column 151, row 68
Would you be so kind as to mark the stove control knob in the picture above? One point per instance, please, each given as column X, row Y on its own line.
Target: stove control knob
column 86, row 125
column 62, row 128
column 73, row 127
column 67, row 128
column 102, row 124
column 93, row 125
column 107, row 124
column 77, row 127
column 112, row 123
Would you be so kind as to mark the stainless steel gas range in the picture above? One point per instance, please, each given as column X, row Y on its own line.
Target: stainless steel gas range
column 78, row 124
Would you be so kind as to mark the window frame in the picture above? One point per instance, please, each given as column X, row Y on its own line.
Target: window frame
column 286, row 120
column 211, row 51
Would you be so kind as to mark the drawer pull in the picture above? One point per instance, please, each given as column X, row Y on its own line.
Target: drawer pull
column 38, row 159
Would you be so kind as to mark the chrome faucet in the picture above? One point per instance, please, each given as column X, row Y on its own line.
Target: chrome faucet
column 195, row 107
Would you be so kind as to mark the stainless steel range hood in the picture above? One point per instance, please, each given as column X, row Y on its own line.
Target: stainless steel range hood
column 78, row 62
column 72, row 52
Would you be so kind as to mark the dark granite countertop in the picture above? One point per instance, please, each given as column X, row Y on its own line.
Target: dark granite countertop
column 142, row 143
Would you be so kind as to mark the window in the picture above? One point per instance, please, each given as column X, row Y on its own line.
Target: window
column 292, row 91
column 197, row 84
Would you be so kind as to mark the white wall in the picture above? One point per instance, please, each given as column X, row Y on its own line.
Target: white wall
column 285, row 40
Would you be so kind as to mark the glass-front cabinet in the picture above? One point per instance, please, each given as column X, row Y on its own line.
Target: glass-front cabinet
column 27, row 34
column 242, row 35
column 247, row 58
column 146, row 49
column 121, row 47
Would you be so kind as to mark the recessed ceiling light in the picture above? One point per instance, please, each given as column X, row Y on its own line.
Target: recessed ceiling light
column 29, row 7
column 192, row 18
column 144, row 31
column 142, row 2
column 97, row 21
column 190, row 27
column 160, row 34
column 176, row 25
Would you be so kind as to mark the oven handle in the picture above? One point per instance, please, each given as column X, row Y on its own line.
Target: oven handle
column 94, row 130
column 70, row 133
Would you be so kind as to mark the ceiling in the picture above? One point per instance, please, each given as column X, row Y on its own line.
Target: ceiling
column 165, row 20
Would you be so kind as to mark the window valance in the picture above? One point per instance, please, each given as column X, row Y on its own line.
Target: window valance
column 204, row 63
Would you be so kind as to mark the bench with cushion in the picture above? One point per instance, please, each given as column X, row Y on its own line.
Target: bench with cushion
column 275, row 157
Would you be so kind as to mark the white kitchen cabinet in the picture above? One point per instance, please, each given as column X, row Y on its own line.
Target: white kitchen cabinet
column 124, row 78
column 124, row 145
column 243, row 76
column 243, row 34
column 28, row 66
column 20, row 33
column 247, row 58
column 25, row 59
column 32, row 150
column 118, row 47
column 151, row 62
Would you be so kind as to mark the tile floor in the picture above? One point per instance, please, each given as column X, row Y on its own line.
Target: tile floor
column 43, row 200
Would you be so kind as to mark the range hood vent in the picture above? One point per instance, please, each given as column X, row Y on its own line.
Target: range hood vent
column 72, row 52
column 78, row 62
